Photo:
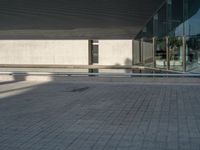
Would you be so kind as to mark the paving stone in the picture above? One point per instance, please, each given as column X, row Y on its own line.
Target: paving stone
column 103, row 116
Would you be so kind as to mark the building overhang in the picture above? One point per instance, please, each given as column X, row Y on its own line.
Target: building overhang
column 74, row 19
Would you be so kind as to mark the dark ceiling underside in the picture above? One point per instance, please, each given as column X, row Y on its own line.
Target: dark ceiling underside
column 74, row 19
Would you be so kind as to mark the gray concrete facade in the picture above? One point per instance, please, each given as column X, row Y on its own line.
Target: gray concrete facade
column 115, row 52
column 64, row 52
column 70, row 52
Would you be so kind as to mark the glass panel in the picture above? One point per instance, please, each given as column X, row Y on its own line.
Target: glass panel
column 192, row 31
column 160, row 53
column 148, row 30
column 136, row 53
column 148, row 52
column 193, row 54
column 192, row 17
column 161, row 22
column 175, row 17
column 160, row 29
column 139, row 36
column 176, row 53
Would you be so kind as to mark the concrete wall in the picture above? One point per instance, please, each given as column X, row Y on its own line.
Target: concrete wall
column 44, row 52
column 71, row 52
column 115, row 52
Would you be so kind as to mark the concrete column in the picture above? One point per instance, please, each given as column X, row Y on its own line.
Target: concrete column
column 141, row 51
column 184, row 54
column 154, row 53
column 167, row 53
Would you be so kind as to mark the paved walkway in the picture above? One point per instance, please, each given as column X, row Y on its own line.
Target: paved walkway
column 99, row 116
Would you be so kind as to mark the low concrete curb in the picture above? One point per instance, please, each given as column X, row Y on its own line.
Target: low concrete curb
column 94, row 79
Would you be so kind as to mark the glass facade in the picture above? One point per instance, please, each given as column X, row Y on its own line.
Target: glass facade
column 160, row 53
column 171, row 39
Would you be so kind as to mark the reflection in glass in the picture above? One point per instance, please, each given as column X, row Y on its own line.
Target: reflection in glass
column 175, row 21
column 148, row 52
column 175, row 53
column 136, row 56
column 193, row 54
column 160, row 53
column 192, row 17
column 175, row 17
column 159, row 22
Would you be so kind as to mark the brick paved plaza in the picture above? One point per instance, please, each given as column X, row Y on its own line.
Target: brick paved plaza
column 157, row 114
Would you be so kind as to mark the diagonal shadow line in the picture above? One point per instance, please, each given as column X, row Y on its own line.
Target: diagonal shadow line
column 7, row 82
column 18, row 89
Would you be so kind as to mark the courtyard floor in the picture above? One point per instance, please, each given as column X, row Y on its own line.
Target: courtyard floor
column 149, row 114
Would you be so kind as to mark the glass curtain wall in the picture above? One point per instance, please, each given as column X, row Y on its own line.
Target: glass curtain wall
column 136, row 52
column 174, row 35
column 160, row 53
column 147, row 44
column 148, row 52
column 175, row 47
column 192, row 33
